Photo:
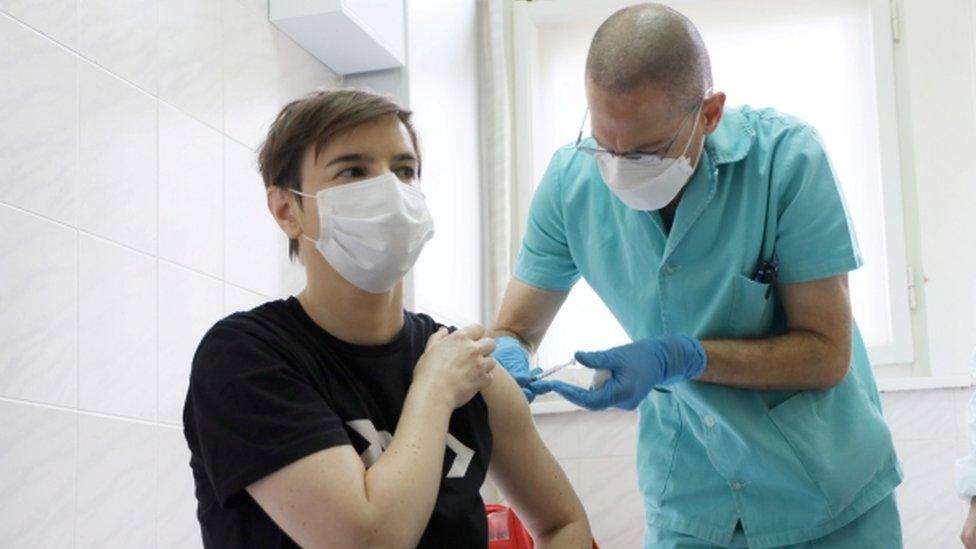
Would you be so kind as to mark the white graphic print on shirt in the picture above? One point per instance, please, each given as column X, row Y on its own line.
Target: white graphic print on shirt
column 380, row 440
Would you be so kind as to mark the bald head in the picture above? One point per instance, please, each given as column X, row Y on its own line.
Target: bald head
column 650, row 44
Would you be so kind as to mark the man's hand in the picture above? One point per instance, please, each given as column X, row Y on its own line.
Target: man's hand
column 635, row 369
column 514, row 358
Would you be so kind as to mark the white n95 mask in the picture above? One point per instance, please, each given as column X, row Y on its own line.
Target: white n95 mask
column 372, row 231
column 651, row 183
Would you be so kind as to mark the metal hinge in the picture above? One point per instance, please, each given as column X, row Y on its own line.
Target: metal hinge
column 895, row 22
column 911, row 289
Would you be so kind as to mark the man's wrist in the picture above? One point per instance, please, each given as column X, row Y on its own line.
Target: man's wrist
column 509, row 349
column 501, row 333
column 510, row 338
column 688, row 357
column 702, row 355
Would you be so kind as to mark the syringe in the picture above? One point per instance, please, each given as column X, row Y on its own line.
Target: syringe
column 552, row 370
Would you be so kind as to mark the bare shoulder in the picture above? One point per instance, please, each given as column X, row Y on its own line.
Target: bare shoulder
column 507, row 407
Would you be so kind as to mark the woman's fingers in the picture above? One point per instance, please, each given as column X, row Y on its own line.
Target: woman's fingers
column 436, row 336
column 474, row 331
column 485, row 346
column 487, row 364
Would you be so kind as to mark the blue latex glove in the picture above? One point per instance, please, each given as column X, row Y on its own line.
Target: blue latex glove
column 514, row 358
column 635, row 369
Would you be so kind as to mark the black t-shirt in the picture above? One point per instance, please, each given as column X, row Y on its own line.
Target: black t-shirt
column 269, row 386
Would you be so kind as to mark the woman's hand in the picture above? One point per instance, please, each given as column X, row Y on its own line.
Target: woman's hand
column 456, row 365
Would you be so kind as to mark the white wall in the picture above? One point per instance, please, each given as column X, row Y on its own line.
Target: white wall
column 442, row 73
column 132, row 217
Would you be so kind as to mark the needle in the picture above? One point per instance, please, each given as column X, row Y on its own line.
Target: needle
column 552, row 370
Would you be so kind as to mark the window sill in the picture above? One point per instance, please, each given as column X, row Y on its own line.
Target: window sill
column 921, row 383
column 551, row 404
column 555, row 405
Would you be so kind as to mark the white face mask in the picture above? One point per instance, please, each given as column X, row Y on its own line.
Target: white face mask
column 372, row 231
column 648, row 184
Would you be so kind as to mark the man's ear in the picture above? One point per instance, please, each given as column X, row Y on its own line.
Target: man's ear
column 283, row 205
column 712, row 110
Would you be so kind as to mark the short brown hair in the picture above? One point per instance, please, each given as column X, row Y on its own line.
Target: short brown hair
column 312, row 121
column 650, row 44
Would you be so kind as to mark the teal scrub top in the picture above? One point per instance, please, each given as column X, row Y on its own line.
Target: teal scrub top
column 791, row 466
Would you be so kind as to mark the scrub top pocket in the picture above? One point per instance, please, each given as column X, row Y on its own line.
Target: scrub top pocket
column 836, row 460
column 751, row 309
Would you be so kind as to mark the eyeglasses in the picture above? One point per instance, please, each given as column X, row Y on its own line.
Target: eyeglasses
column 640, row 157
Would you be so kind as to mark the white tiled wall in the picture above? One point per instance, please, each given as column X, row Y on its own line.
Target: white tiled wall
column 930, row 433
column 131, row 218
column 597, row 452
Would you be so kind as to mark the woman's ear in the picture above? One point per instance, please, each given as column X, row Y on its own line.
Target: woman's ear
column 283, row 205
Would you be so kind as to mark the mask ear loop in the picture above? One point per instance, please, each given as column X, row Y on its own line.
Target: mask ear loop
column 306, row 195
column 694, row 127
column 579, row 136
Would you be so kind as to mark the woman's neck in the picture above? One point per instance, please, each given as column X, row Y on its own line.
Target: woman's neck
column 350, row 314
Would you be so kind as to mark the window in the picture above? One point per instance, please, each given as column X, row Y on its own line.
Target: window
column 828, row 62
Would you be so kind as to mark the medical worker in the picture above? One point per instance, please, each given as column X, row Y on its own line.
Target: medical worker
column 966, row 473
column 718, row 237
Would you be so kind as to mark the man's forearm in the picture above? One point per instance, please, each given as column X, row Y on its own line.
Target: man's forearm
column 796, row 361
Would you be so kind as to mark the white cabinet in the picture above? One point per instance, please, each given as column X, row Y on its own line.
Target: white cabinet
column 350, row 36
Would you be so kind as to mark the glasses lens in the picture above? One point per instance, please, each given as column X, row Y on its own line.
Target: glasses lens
column 645, row 159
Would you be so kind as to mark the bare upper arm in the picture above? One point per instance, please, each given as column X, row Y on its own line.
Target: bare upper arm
column 821, row 307
column 527, row 311
column 318, row 500
column 522, row 466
